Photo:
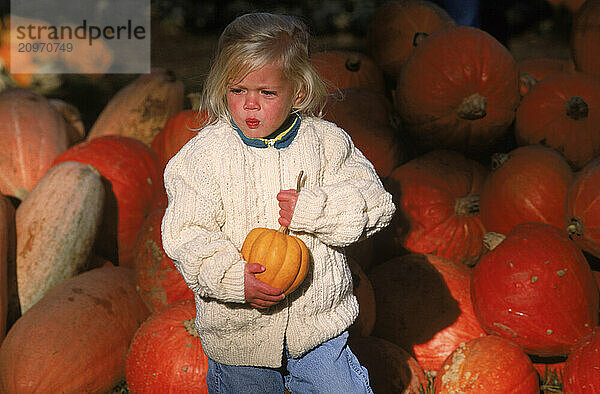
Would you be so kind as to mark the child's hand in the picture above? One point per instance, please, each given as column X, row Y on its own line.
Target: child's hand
column 259, row 294
column 287, row 202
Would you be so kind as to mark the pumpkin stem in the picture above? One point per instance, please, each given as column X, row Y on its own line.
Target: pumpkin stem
column 526, row 82
column 299, row 182
column 467, row 206
column 576, row 108
column 473, row 107
column 190, row 327
column 575, row 227
column 498, row 160
column 491, row 240
column 353, row 63
column 419, row 37
column 170, row 76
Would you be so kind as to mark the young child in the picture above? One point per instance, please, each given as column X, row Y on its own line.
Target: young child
column 239, row 173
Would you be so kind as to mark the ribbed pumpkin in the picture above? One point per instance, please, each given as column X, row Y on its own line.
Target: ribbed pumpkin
column 537, row 289
column 391, row 368
column 424, row 306
column 178, row 130
column 581, row 375
column 583, row 208
column 141, row 109
column 366, row 116
column 133, row 180
column 75, row 339
column 158, row 281
column 397, row 27
column 348, row 69
column 458, row 90
column 487, row 365
column 533, row 70
column 284, row 256
column 561, row 112
column 57, row 224
column 33, row 133
column 585, row 40
column 527, row 184
column 437, row 206
column 7, row 252
column 165, row 355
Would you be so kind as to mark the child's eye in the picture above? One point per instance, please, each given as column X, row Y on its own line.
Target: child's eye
column 236, row 90
column 269, row 93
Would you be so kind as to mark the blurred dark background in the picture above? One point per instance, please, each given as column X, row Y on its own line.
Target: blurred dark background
column 184, row 34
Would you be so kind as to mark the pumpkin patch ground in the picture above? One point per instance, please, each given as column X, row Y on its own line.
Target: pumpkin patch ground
column 432, row 302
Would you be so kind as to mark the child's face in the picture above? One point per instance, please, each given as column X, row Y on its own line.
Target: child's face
column 261, row 101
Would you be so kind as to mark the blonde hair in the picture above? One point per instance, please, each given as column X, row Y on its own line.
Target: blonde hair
column 250, row 42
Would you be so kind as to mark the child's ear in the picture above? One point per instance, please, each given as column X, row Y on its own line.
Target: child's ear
column 299, row 97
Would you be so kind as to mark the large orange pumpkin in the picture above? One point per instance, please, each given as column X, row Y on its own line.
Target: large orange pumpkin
column 165, row 355
column 585, row 40
column 397, row 27
column 527, row 184
column 536, row 288
column 141, row 108
column 366, row 116
column 458, row 90
column 178, row 130
column 487, row 365
column 424, row 305
column 561, row 112
column 533, row 70
column 437, row 200
column 33, row 133
column 583, row 208
column 75, row 339
column 581, row 375
column 159, row 283
column 348, row 69
column 391, row 368
column 284, row 256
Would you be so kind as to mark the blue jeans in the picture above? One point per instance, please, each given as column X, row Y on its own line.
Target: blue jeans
column 329, row 368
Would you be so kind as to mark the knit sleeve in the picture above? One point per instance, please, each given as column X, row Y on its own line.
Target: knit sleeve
column 351, row 204
column 208, row 261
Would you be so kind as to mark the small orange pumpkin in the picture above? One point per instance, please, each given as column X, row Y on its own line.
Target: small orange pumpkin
column 284, row 256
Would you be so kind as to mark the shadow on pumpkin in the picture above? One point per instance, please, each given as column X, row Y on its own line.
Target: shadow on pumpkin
column 413, row 301
column 106, row 244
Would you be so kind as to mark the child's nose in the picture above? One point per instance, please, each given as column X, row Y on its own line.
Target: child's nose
column 251, row 102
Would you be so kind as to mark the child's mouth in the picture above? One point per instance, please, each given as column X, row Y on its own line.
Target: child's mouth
column 252, row 123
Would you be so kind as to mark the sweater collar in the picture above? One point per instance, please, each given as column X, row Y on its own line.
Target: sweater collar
column 283, row 138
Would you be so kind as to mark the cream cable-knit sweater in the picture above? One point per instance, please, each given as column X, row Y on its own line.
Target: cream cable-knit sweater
column 220, row 188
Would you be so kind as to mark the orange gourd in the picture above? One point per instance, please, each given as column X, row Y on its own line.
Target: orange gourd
column 284, row 256
column 33, row 133
column 57, row 224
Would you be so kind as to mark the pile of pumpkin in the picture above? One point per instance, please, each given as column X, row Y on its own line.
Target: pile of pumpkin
column 484, row 282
